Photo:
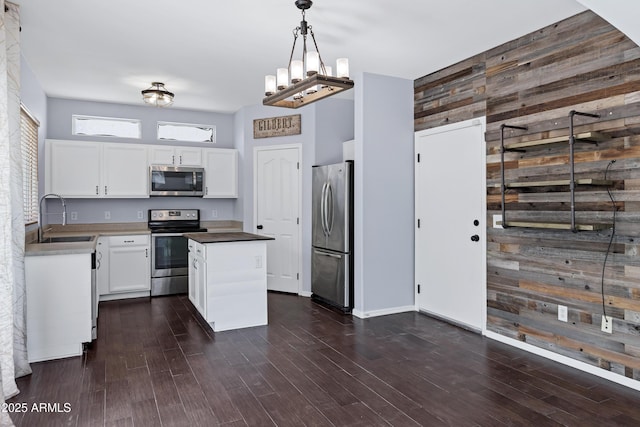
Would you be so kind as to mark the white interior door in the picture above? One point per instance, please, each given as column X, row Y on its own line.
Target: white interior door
column 450, row 239
column 277, row 186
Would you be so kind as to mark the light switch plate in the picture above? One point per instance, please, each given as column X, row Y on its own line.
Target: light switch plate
column 563, row 314
column 497, row 221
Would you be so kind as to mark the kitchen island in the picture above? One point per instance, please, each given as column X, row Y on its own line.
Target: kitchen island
column 228, row 278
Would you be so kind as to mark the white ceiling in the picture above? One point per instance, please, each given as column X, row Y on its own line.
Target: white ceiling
column 214, row 54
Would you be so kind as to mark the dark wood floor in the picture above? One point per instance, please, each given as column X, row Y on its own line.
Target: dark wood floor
column 154, row 364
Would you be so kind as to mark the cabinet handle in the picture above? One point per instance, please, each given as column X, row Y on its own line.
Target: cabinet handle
column 129, row 241
column 180, row 158
column 173, row 160
column 105, row 190
column 96, row 190
column 146, row 253
column 206, row 191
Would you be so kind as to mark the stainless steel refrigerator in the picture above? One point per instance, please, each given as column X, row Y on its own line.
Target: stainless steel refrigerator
column 332, row 235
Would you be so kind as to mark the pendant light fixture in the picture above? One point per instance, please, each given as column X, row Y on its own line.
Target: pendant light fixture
column 157, row 95
column 305, row 80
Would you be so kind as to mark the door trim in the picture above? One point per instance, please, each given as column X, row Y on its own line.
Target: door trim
column 297, row 146
column 482, row 122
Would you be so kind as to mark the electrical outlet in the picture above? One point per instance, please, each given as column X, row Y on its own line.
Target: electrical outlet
column 140, row 215
column 214, row 213
column 497, row 221
column 607, row 324
column 74, row 216
column 107, row 215
column 563, row 314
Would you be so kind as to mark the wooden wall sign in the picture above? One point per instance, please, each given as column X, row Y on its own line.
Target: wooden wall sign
column 276, row 126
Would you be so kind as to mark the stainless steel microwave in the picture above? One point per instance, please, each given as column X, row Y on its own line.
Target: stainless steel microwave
column 176, row 181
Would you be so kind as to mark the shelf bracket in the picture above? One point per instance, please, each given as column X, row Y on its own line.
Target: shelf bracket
column 503, row 187
column 572, row 180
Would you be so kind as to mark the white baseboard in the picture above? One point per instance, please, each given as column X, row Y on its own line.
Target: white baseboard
column 385, row 311
column 585, row 367
column 305, row 294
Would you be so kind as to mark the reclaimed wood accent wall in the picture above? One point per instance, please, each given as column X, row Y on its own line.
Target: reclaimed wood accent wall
column 585, row 64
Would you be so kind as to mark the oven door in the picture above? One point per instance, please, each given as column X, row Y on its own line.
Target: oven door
column 169, row 255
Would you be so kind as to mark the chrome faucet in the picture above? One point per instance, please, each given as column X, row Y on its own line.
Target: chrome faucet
column 40, row 222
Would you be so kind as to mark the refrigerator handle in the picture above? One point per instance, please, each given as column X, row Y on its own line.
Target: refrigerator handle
column 322, row 253
column 329, row 209
column 323, row 209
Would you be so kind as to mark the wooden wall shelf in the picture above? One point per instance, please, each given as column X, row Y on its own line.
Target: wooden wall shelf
column 557, row 225
column 581, row 137
column 554, row 183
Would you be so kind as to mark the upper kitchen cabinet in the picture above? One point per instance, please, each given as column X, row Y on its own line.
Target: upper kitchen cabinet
column 175, row 156
column 221, row 172
column 85, row 169
column 73, row 168
column 125, row 172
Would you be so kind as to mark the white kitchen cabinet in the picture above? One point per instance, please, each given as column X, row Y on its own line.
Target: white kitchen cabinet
column 175, row 156
column 129, row 264
column 81, row 169
column 229, row 284
column 102, row 265
column 73, row 168
column 125, row 172
column 197, row 275
column 59, row 309
column 221, row 172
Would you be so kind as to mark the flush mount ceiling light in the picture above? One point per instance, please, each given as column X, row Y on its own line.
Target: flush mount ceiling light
column 157, row 95
column 305, row 80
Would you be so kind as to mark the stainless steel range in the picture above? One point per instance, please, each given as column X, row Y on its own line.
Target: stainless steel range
column 169, row 251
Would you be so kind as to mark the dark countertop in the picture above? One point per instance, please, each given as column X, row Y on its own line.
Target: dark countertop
column 225, row 237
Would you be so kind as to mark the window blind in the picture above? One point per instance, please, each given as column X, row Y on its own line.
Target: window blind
column 29, row 144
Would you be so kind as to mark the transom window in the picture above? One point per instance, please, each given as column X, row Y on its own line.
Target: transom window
column 168, row 131
column 106, row 126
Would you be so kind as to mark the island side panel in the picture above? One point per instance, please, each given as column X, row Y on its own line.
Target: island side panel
column 58, row 305
column 236, row 294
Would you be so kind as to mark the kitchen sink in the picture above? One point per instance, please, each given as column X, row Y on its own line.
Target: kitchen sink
column 67, row 239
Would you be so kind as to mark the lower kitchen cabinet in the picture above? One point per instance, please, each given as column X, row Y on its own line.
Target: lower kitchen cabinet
column 59, row 305
column 124, row 266
column 228, row 283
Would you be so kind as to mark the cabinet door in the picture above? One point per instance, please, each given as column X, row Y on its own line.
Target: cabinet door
column 102, row 265
column 188, row 156
column 129, row 268
column 221, row 173
column 73, row 168
column 193, row 271
column 162, row 155
column 125, row 170
column 201, row 286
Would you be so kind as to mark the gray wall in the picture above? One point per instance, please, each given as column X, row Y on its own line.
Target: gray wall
column 384, row 189
column 126, row 210
column 314, row 134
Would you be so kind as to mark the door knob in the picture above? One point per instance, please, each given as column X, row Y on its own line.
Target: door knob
column 475, row 238
column 259, row 227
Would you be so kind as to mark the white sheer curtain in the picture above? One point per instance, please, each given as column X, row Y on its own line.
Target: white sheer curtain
column 13, row 352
